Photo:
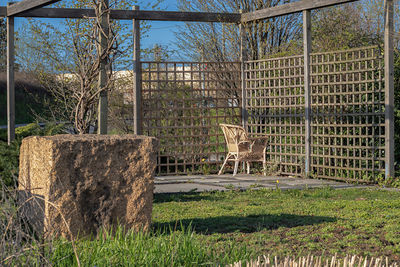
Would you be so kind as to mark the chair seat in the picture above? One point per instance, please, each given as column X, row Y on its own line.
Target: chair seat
column 249, row 156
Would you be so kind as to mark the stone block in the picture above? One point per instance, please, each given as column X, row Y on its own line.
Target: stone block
column 73, row 185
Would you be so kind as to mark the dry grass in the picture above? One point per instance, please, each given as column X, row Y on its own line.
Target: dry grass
column 311, row 261
column 20, row 243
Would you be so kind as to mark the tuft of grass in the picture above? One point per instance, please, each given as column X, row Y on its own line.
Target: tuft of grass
column 165, row 247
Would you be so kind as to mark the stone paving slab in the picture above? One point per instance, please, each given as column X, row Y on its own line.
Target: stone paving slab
column 200, row 183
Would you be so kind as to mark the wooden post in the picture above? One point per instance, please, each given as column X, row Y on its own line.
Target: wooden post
column 243, row 58
column 10, row 81
column 103, row 101
column 223, row 41
column 137, row 77
column 307, row 89
column 389, row 90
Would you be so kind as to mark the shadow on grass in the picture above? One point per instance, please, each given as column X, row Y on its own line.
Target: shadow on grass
column 181, row 197
column 248, row 224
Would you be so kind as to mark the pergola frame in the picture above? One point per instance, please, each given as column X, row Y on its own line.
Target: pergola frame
column 34, row 8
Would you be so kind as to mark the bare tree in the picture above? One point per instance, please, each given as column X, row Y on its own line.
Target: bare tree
column 345, row 26
column 90, row 55
column 66, row 60
column 220, row 41
column 70, row 73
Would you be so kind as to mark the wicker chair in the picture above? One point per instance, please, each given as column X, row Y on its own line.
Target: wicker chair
column 241, row 148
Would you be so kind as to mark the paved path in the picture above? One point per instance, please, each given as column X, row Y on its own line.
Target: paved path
column 199, row 183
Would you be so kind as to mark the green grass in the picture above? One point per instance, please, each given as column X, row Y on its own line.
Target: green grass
column 321, row 222
column 158, row 248
column 212, row 228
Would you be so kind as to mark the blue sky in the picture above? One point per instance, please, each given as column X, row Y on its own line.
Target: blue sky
column 161, row 32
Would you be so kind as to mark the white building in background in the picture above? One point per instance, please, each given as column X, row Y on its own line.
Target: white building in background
column 194, row 75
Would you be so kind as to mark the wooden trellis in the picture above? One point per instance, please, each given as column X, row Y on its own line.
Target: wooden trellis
column 275, row 107
column 348, row 114
column 182, row 105
column 347, row 100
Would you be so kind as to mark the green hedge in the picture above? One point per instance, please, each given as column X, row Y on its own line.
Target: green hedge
column 9, row 154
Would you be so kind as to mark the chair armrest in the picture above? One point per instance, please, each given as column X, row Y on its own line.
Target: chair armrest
column 245, row 141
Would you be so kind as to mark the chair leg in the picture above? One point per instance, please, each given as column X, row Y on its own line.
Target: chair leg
column 223, row 165
column 264, row 168
column 248, row 167
column 236, row 167
column 265, row 161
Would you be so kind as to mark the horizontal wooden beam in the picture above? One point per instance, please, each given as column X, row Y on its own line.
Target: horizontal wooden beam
column 266, row 13
column 74, row 13
column 175, row 16
column 290, row 8
column 26, row 5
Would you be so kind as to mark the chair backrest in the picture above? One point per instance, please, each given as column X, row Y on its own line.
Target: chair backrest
column 233, row 135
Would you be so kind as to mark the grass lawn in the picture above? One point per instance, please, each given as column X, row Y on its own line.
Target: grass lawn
column 323, row 221
column 228, row 226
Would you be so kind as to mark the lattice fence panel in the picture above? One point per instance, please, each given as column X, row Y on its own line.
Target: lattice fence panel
column 183, row 104
column 348, row 122
column 275, row 105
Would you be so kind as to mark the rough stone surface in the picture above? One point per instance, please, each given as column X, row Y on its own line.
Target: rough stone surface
column 73, row 185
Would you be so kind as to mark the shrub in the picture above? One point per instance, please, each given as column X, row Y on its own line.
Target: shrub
column 9, row 154
column 9, row 157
